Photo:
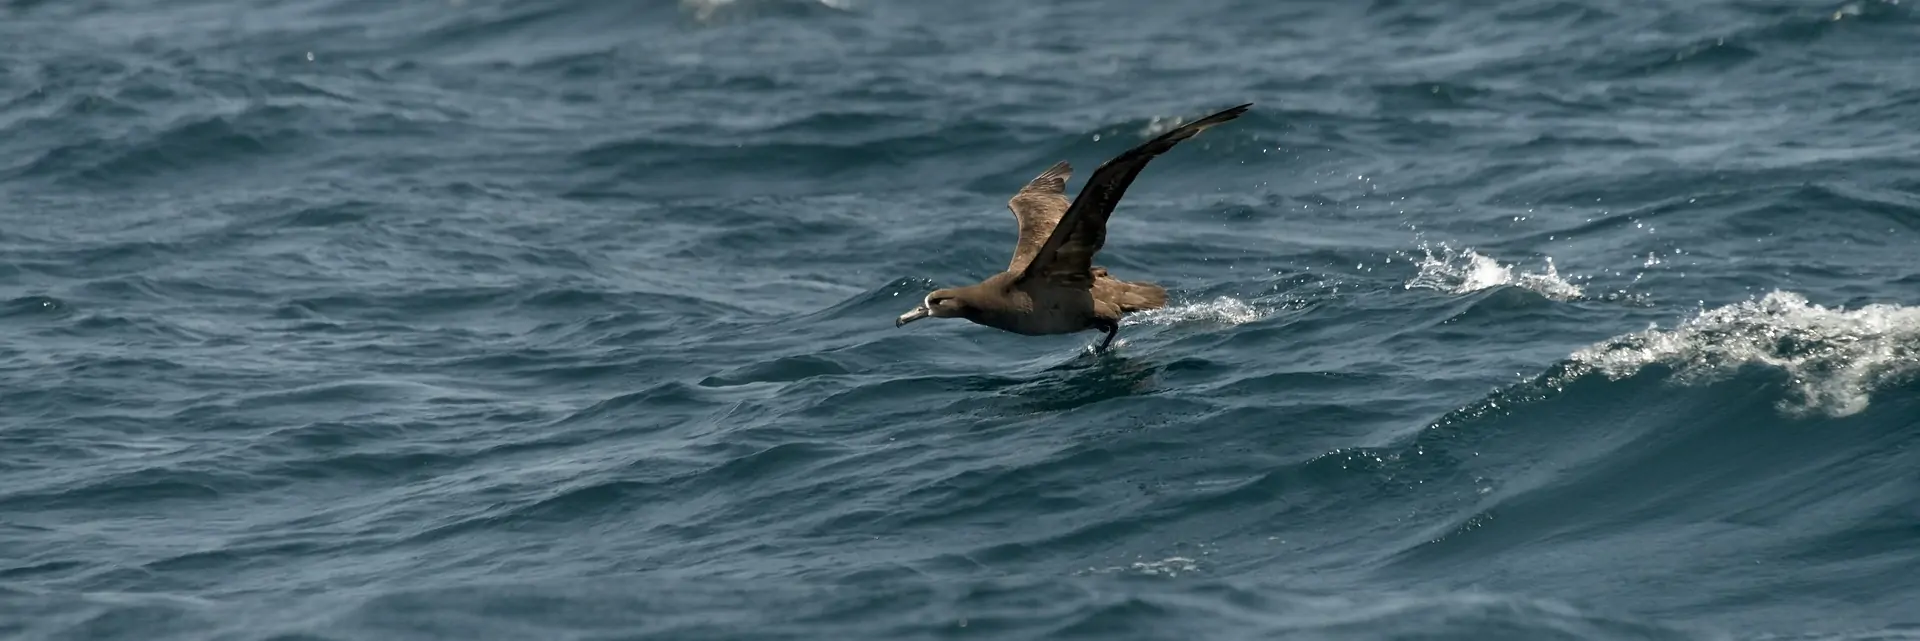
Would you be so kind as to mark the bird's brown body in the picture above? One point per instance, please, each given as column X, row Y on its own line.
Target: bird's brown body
column 1036, row 309
column 1051, row 285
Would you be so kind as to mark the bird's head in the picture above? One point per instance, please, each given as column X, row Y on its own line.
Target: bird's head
column 942, row 303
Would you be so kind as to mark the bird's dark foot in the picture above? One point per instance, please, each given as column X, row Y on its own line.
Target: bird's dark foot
column 1112, row 330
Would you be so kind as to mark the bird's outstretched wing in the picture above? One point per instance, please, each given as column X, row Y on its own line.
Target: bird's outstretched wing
column 1036, row 209
column 1066, row 258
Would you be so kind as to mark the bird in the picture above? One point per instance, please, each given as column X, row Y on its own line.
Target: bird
column 1051, row 285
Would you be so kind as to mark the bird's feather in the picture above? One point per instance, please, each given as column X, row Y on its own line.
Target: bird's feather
column 1066, row 258
column 1036, row 209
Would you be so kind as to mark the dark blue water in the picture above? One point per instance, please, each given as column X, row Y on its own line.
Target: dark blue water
column 572, row 320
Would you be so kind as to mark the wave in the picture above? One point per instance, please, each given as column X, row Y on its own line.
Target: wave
column 1463, row 271
column 1690, row 445
column 1835, row 357
column 714, row 10
column 32, row 306
column 899, row 601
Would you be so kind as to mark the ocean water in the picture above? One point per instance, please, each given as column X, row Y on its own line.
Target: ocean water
column 572, row 320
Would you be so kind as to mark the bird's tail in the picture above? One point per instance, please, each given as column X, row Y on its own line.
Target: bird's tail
column 1133, row 296
column 1142, row 297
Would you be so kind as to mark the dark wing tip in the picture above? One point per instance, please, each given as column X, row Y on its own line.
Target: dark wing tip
column 1195, row 127
column 1166, row 141
column 1232, row 112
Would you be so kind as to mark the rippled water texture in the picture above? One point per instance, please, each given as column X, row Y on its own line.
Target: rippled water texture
column 572, row 319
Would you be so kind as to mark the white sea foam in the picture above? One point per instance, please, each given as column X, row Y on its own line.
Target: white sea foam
column 1162, row 124
column 1231, row 311
column 1461, row 271
column 1835, row 357
column 1168, row 567
column 704, row 9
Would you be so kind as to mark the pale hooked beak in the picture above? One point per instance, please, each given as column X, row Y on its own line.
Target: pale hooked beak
column 917, row 314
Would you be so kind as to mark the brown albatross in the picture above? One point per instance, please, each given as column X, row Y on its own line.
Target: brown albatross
column 1052, row 286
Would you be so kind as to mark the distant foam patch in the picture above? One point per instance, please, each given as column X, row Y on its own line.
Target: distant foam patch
column 1231, row 311
column 1167, row 567
column 1461, row 271
column 1835, row 357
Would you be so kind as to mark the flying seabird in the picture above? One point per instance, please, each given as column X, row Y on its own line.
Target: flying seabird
column 1051, row 286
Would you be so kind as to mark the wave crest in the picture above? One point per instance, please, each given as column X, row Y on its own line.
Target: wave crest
column 1462, row 271
column 1225, row 309
column 1835, row 357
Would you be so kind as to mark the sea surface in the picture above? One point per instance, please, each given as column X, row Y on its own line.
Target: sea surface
column 329, row 320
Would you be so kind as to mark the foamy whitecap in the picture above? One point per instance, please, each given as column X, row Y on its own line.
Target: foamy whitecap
column 1835, row 357
column 1231, row 311
column 704, row 9
column 1168, row 567
column 1161, row 124
column 1461, row 271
